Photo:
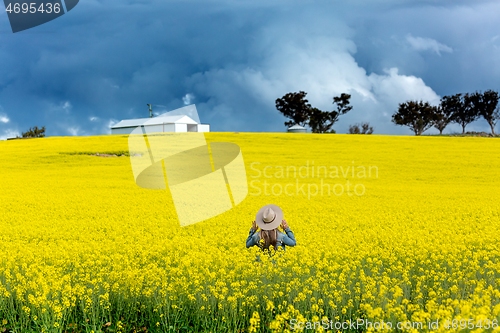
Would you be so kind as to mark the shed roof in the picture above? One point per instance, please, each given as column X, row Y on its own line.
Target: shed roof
column 155, row 121
column 296, row 127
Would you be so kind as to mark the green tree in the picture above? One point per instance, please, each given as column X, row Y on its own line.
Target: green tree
column 418, row 116
column 442, row 117
column 485, row 104
column 364, row 128
column 322, row 121
column 295, row 107
column 34, row 133
column 462, row 109
column 342, row 106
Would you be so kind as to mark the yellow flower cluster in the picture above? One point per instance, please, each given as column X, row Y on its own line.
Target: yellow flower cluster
column 82, row 244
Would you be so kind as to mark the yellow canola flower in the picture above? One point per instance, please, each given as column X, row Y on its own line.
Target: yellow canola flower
column 420, row 243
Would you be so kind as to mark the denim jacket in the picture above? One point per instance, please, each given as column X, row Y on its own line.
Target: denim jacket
column 283, row 239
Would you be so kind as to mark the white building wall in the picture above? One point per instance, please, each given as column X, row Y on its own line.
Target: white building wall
column 180, row 128
column 159, row 128
column 203, row 128
column 153, row 129
column 168, row 127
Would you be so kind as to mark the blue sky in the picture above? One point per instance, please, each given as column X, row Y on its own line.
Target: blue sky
column 105, row 60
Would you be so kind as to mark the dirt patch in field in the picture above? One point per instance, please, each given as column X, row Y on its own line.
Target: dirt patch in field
column 107, row 155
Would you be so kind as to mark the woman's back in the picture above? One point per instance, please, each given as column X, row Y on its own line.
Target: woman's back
column 271, row 239
column 269, row 219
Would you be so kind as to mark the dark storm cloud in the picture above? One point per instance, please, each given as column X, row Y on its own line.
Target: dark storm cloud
column 105, row 60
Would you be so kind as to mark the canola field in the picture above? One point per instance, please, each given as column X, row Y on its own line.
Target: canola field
column 411, row 237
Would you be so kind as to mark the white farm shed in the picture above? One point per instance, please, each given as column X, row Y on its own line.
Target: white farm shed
column 158, row 124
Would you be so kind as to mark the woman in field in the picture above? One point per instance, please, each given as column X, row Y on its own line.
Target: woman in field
column 269, row 219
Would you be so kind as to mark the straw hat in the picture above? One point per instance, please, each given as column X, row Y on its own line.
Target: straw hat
column 269, row 217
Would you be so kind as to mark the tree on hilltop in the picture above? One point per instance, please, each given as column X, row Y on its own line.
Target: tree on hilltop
column 418, row 116
column 322, row 121
column 295, row 107
column 342, row 106
column 364, row 128
column 442, row 117
column 485, row 105
column 34, row 133
column 461, row 108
